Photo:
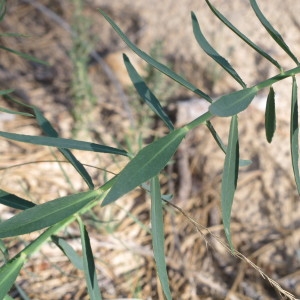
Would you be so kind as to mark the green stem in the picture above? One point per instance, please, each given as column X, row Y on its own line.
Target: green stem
column 206, row 116
column 37, row 243
column 277, row 78
column 200, row 120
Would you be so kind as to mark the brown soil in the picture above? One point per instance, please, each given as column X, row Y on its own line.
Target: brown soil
column 265, row 217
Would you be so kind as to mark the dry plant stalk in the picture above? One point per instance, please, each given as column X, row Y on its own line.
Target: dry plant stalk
column 204, row 232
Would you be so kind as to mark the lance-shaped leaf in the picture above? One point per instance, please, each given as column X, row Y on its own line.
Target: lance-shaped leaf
column 233, row 103
column 33, row 246
column 50, row 131
column 242, row 36
column 158, row 239
column 67, row 249
column 10, row 111
column 62, row 143
column 230, row 176
column 4, row 251
column 6, row 92
column 162, row 68
column 146, row 93
column 21, row 292
column 2, row 9
column 8, row 274
column 88, row 264
column 46, row 214
column 272, row 31
column 270, row 116
column 210, row 51
column 294, row 134
column 242, row 162
column 146, row 164
column 25, row 56
column 14, row 201
column 10, row 270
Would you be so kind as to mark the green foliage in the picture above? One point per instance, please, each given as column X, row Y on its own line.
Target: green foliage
column 233, row 103
column 146, row 93
column 9, row 273
column 210, row 51
column 147, row 164
column 158, row 235
column 294, row 133
column 271, row 30
column 162, row 68
column 45, row 215
column 72, row 255
column 242, row 36
column 230, row 176
column 88, row 264
column 2, row 9
column 14, row 201
column 270, row 116
column 24, row 55
column 62, row 143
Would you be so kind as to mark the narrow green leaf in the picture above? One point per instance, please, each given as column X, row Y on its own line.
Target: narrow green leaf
column 232, row 104
column 158, row 239
column 88, row 264
column 67, row 249
column 25, row 56
column 230, row 176
column 6, row 92
column 4, row 251
column 62, row 143
column 50, row 131
column 162, row 68
column 46, row 214
column 272, row 31
column 210, row 51
column 270, row 116
column 2, row 9
column 21, row 292
column 245, row 162
column 14, row 34
column 44, row 123
column 10, row 111
column 14, row 100
column 242, row 36
column 242, row 162
column 294, row 134
column 146, row 93
column 14, row 201
column 216, row 136
column 8, row 274
column 10, row 270
column 146, row 164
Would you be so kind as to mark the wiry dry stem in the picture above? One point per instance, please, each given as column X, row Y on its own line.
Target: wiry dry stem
column 206, row 232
